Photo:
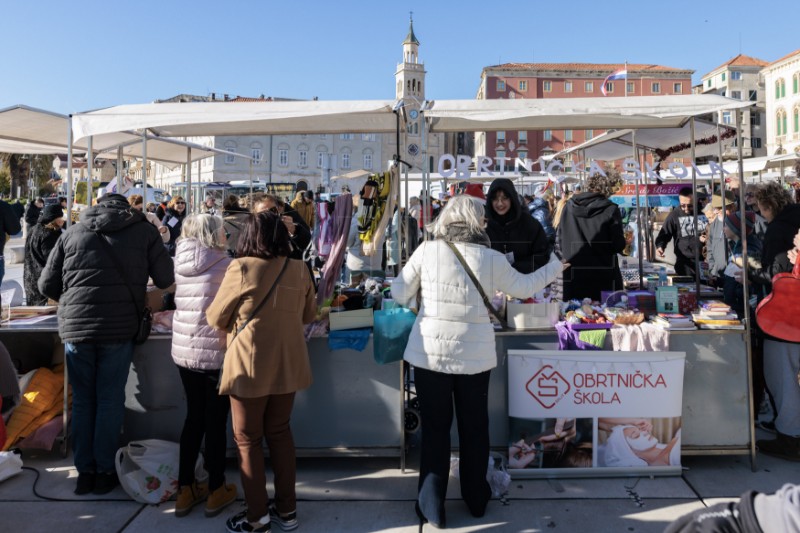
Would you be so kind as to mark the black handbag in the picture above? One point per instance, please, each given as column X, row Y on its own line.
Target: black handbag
column 488, row 303
column 145, row 317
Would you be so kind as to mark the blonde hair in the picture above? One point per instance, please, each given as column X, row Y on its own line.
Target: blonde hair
column 462, row 209
column 135, row 199
column 560, row 209
column 204, row 228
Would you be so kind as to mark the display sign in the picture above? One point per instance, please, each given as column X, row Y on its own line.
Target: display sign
column 652, row 195
column 618, row 411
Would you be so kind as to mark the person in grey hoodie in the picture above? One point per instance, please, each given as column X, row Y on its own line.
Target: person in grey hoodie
column 590, row 236
column 201, row 260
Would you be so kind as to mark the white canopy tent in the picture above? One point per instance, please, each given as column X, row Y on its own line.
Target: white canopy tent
column 636, row 112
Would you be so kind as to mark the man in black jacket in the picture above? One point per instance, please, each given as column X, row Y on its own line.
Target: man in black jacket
column 101, row 293
column 512, row 229
column 9, row 225
column 32, row 213
column 679, row 226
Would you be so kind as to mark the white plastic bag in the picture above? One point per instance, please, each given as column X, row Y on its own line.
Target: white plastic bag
column 10, row 465
column 148, row 470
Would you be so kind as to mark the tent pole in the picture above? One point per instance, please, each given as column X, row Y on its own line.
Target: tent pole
column 695, row 214
column 251, row 177
column 144, row 167
column 722, row 186
column 90, row 167
column 189, row 196
column 119, row 167
column 69, row 177
column 638, row 214
column 746, row 294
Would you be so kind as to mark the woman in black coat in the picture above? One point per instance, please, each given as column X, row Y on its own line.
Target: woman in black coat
column 590, row 235
column 173, row 220
column 38, row 245
column 512, row 229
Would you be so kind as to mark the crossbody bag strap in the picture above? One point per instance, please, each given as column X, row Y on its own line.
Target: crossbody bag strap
column 264, row 301
column 487, row 302
column 118, row 264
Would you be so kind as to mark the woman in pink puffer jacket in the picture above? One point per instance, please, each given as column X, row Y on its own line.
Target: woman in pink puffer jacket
column 198, row 349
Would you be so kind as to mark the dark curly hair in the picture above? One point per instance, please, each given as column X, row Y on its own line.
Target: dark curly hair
column 773, row 196
column 265, row 236
column 605, row 185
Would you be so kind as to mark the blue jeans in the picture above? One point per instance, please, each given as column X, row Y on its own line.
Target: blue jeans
column 97, row 373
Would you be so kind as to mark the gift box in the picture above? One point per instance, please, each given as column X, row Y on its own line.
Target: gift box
column 359, row 318
column 532, row 316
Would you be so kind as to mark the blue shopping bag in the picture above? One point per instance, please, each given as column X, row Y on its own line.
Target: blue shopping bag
column 390, row 331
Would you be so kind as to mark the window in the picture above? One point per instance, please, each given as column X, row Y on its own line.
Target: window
column 321, row 159
column 501, row 136
column 567, row 135
column 589, row 134
column 323, row 135
column 755, row 142
column 735, row 75
column 609, row 87
column 255, row 153
column 499, row 165
column 547, row 135
column 522, row 154
column 283, row 158
column 780, row 89
column 629, row 86
column 346, row 136
column 726, row 117
column 656, row 88
column 369, row 137
column 567, row 86
column 780, row 122
column 723, row 76
column 523, row 137
column 708, row 83
column 752, row 95
column 501, row 86
column 345, row 160
column 368, row 161
column 736, row 95
column 302, row 158
column 755, row 118
column 796, row 120
column 588, row 87
column 523, row 85
column 796, row 83
column 230, row 158
column 677, row 88
column 547, row 86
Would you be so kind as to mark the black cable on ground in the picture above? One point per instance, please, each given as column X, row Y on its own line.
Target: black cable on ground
column 50, row 499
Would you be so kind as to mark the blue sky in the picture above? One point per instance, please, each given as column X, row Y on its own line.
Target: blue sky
column 87, row 54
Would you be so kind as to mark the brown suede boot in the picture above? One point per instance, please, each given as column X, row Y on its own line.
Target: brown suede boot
column 784, row 446
column 220, row 499
column 189, row 496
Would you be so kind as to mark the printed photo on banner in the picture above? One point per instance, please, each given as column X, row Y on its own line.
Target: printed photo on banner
column 550, row 443
column 638, row 442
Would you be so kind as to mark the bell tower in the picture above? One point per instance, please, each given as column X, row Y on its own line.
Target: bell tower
column 410, row 74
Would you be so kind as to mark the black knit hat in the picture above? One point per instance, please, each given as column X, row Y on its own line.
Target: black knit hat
column 50, row 213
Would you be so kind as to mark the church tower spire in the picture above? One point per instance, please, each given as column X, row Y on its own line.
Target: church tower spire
column 410, row 74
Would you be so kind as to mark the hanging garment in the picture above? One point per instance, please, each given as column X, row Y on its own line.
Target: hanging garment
column 384, row 208
column 325, row 228
column 342, row 214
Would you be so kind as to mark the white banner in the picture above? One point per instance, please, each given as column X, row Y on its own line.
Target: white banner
column 580, row 410
column 588, row 384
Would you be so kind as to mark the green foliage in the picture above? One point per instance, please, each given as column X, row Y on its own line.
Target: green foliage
column 80, row 191
column 5, row 181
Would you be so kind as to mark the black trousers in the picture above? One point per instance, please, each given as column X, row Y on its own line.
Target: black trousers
column 206, row 416
column 438, row 393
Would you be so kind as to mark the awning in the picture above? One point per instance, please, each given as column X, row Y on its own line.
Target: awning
column 617, row 144
column 635, row 112
column 240, row 118
column 27, row 130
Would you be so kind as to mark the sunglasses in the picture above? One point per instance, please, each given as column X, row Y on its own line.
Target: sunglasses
column 180, row 203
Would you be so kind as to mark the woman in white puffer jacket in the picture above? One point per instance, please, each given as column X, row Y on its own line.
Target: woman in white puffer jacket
column 452, row 348
column 201, row 260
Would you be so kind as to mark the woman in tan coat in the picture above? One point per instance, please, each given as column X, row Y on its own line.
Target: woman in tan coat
column 265, row 364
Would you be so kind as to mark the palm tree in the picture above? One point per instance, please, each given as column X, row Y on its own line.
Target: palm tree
column 22, row 166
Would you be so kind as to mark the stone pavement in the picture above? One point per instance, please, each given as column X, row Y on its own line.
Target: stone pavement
column 360, row 495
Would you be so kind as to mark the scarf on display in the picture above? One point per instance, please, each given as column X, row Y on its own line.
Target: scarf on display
column 325, row 229
column 375, row 208
column 342, row 213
